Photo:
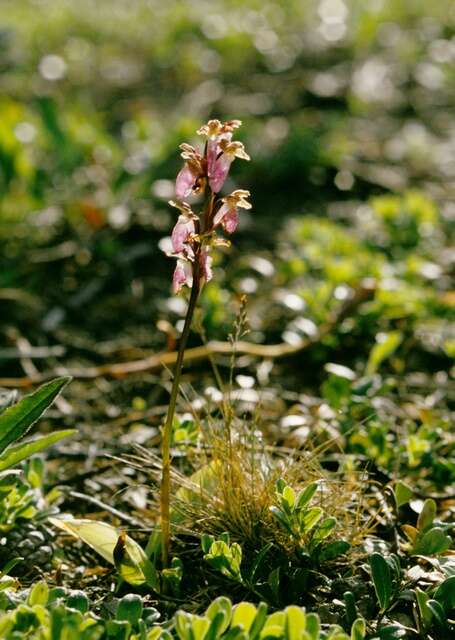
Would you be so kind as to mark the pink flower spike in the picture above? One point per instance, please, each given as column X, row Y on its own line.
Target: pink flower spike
column 183, row 275
column 184, row 183
column 181, row 233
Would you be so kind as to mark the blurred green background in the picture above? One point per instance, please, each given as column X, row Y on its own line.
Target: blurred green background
column 348, row 116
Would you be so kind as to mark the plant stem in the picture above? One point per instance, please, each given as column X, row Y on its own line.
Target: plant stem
column 167, row 429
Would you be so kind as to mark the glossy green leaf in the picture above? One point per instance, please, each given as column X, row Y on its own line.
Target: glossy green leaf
column 295, row 622
column 16, row 453
column 19, row 418
column 243, row 615
column 358, row 629
column 402, row 494
column 433, row 542
column 427, row 515
column 380, row 574
column 310, row 518
column 445, row 594
column 305, row 496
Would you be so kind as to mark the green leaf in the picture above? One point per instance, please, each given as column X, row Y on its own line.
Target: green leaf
column 432, row 542
column 380, row 574
column 15, row 454
column 130, row 608
column 333, row 550
column 306, row 495
column 295, row 622
column 393, row 632
column 425, row 613
column 258, row 622
column 402, row 493
column 199, row 627
column 324, row 529
column 19, row 418
column 282, row 519
column 437, row 610
column 427, row 515
column 313, row 625
column 115, row 547
column 445, row 594
column 358, row 629
column 243, row 615
column 39, row 594
column 310, row 518
column 288, row 498
column 386, row 345
column 220, row 610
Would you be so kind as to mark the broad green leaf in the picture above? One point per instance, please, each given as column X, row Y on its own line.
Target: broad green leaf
column 115, row 547
column 324, row 529
column 424, row 612
column 402, row 494
column 383, row 349
column 358, row 629
column 427, row 515
column 432, row 542
column 39, row 594
column 243, row 615
column 380, row 573
column 274, row 625
column 306, row 495
column 295, row 622
column 393, row 632
column 310, row 518
column 19, row 418
column 445, row 594
column 288, row 498
column 15, row 454
column 438, row 612
column 199, row 627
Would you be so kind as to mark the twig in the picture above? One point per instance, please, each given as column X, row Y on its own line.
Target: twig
column 196, row 354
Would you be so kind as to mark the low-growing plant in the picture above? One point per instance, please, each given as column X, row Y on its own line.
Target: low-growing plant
column 308, row 526
column 430, row 537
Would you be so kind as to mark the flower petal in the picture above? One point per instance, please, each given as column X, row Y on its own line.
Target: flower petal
column 181, row 232
column 219, row 172
column 206, row 265
column 183, row 275
column 184, row 182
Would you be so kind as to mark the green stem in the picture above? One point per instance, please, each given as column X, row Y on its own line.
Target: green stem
column 167, row 429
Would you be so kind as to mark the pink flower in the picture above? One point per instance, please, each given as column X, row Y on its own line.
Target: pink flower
column 183, row 275
column 190, row 178
column 206, row 265
column 181, row 233
column 227, row 215
column 184, row 183
column 221, row 150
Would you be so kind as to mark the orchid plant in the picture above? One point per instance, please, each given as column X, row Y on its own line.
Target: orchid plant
column 193, row 238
